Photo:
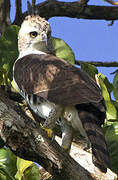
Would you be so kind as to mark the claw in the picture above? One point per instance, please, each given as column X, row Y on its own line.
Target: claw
column 48, row 131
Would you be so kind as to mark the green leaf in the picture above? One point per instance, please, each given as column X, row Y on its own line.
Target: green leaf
column 111, row 137
column 8, row 53
column 90, row 69
column 32, row 173
column 115, row 86
column 115, row 103
column 11, row 33
column 2, row 75
column 22, row 165
column 63, row 51
column 106, row 82
column 4, row 174
column 8, row 161
column 111, row 111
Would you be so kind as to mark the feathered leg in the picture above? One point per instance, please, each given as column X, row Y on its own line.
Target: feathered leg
column 53, row 116
column 67, row 135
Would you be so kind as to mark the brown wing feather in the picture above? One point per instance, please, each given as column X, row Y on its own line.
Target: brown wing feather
column 56, row 80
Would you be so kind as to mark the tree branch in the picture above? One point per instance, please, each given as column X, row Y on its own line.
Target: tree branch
column 18, row 10
column 33, row 6
column 83, row 2
column 98, row 63
column 4, row 15
column 50, row 9
column 28, row 141
column 112, row 2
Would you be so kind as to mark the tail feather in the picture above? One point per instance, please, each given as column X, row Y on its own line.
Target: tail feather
column 94, row 132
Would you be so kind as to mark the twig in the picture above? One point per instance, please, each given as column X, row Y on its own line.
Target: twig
column 111, row 23
column 98, row 63
column 29, row 8
column 50, row 0
column 83, row 2
column 18, row 5
column 33, row 6
column 112, row 2
column 33, row 3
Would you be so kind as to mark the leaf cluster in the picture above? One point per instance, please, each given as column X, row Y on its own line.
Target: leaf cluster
column 15, row 168
column 111, row 125
column 8, row 54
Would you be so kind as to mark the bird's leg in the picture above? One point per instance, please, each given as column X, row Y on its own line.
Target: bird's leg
column 51, row 119
column 67, row 135
column 53, row 116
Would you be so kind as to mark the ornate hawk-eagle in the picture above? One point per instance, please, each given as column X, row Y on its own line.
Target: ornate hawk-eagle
column 54, row 88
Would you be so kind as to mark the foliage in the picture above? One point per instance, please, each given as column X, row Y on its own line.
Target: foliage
column 111, row 126
column 8, row 54
column 106, row 87
column 63, row 50
column 90, row 69
column 27, row 170
column 15, row 168
column 111, row 136
column 115, row 86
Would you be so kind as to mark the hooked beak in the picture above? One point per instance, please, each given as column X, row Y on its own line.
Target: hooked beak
column 43, row 38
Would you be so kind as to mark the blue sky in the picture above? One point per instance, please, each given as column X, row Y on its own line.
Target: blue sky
column 89, row 39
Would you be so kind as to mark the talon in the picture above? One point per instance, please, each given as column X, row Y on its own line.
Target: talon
column 66, row 149
column 48, row 131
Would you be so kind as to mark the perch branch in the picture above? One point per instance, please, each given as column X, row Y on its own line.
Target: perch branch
column 28, row 141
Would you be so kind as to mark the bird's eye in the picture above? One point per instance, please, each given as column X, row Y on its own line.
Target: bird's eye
column 33, row 34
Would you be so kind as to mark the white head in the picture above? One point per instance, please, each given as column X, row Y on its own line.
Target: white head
column 35, row 34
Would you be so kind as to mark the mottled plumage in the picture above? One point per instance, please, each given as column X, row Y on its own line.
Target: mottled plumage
column 54, row 88
column 54, row 79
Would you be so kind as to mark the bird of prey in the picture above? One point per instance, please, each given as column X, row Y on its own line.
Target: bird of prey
column 54, row 88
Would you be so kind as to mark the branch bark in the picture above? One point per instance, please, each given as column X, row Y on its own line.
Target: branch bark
column 83, row 2
column 112, row 2
column 28, row 141
column 50, row 9
column 98, row 63
column 18, row 15
column 4, row 15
